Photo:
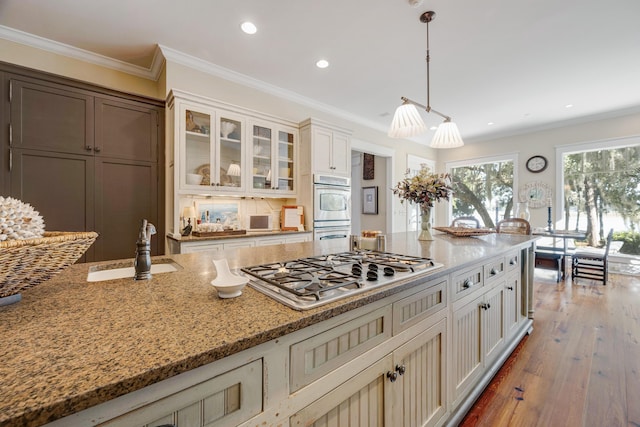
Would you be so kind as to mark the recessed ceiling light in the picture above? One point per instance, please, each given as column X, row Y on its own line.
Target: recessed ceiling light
column 249, row 27
column 568, row 106
column 490, row 124
column 433, row 128
column 322, row 63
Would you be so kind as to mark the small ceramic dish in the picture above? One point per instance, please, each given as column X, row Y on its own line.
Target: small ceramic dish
column 228, row 284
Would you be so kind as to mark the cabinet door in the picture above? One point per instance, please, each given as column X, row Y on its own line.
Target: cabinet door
column 125, row 193
column 322, row 158
column 359, row 402
column 126, row 130
column 196, row 147
column 512, row 304
column 263, row 175
column 341, row 154
column 285, row 160
column 467, row 345
column 229, row 153
column 51, row 117
column 226, row 400
column 419, row 392
column 60, row 187
column 493, row 322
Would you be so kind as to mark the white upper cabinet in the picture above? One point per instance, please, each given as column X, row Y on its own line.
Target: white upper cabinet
column 273, row 158
column 211, row 150
column 329, row 147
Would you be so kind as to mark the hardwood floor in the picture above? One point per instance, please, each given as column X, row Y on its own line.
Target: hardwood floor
column 581, row 364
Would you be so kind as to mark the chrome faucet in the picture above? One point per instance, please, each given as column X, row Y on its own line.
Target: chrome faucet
column 142, row 262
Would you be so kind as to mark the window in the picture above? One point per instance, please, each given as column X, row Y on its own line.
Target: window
column 601, row 188
column 483, row 188
column 414, row 164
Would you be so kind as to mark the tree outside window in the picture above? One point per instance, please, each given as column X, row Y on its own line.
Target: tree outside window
column 483, row 189
column 602, row 191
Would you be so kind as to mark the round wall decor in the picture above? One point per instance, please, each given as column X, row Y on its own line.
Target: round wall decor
column 537, row 193
column 537, row 164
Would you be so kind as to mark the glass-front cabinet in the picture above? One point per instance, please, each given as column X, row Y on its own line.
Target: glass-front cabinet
column 212, row 151
column 273, row 159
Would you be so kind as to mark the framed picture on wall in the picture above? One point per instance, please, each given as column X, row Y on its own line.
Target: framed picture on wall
column 370, row 200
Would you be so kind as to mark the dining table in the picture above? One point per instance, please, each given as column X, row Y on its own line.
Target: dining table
column 565, row 235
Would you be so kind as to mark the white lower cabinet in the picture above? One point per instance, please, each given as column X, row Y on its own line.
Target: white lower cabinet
column 478, row 336
column 512, row 304
column 228, row 399
column 245, row 242
column 404, row 388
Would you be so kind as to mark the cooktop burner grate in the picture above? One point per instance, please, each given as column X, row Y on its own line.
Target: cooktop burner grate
column 307, row 282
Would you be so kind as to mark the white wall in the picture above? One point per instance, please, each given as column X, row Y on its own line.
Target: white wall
column 361, row 221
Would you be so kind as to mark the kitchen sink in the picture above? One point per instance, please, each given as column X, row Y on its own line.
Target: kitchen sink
column 120, row 270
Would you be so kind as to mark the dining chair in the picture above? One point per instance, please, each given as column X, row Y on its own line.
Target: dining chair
column 590, row 264
column 466, row 221
column 514, row 226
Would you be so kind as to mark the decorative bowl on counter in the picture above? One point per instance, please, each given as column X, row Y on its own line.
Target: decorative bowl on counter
column 228, row 284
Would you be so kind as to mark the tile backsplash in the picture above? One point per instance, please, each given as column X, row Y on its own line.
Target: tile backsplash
column 233, row 211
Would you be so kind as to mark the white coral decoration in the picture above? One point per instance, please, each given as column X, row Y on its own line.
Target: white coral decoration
column 18, row 220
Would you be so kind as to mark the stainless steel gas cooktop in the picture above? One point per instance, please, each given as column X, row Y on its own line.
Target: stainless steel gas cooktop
column 309, row 282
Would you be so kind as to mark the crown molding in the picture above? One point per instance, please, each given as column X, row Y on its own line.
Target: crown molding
column 233, row 76
column 21, row 37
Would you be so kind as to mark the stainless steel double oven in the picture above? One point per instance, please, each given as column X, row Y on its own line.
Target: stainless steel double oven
column 331, row 207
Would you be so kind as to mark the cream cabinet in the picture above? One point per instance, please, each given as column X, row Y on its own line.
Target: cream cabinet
column 227, row 399
column 329, row 147
column 273, row 164
column 218, row 149
column 186, row 247
column 404, row 388
column 211, row 150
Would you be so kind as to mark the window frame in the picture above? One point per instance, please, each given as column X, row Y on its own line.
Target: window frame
column 513, row 157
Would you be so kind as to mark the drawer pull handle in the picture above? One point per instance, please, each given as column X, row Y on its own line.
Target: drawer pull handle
column 510, row 288
column 401, row 369
column 88, row 147
column 485, row 306
column 494, row 271
column 467, row 284
column 512, row 262
column 392, row 376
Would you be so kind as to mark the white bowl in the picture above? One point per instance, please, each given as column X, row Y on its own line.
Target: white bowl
column 194, row 179
column 228, row 284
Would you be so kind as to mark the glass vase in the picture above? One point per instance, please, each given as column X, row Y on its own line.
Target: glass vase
column 425, row 214
column 522, row 211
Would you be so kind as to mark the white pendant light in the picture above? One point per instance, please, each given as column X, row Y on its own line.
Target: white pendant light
column 447, row 136
column 407, row 121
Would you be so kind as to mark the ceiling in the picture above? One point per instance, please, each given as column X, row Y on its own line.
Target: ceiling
column 516, row 64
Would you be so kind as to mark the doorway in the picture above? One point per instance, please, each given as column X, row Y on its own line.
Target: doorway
column 381, row 174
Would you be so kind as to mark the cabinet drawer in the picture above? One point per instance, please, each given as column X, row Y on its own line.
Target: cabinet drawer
column 318, row 355
column 512, row 261
column 466, row 282
column 417, row 307
column 188, row 249
column 494, row 269
column 228, row 399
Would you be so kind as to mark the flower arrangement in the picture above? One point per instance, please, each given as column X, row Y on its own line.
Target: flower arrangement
column 424, row 188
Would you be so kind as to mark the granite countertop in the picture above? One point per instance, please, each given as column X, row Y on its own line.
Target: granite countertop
column 192, row 238
column 69, row 344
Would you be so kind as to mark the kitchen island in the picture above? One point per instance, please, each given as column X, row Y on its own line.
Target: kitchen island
column 94, row 351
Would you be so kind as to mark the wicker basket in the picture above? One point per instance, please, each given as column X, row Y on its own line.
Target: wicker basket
column 26, row 263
